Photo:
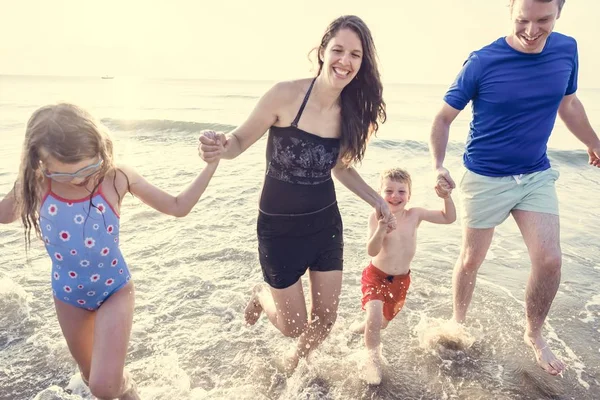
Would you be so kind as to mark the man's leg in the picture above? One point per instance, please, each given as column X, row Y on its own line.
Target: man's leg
column 476, row 243
column 541, row 233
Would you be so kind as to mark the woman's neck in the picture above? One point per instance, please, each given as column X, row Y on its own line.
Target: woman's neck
column 324, row 95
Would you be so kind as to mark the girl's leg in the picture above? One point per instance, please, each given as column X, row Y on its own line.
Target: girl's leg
column 111, row 338
column 77, row 325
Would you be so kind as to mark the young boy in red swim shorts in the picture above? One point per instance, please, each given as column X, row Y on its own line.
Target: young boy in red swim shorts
column 386, row 280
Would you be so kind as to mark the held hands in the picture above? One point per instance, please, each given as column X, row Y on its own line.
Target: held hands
column 442, row 188
column 211, row 146
column 444, row 183
column 384, row 217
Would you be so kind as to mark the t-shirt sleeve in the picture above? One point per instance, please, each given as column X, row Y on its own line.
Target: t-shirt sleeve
column 572, row 87
column 466, row 84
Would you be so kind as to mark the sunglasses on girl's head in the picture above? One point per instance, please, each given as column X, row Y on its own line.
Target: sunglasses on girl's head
column 82, row 173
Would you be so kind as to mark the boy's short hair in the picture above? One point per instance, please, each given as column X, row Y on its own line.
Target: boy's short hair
column 396, row 175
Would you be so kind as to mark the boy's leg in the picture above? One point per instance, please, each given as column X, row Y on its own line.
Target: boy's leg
column 111, row 338
column 359, row 326
column 374, row 323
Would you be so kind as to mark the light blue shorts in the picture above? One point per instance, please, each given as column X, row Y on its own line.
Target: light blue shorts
column 487, row 201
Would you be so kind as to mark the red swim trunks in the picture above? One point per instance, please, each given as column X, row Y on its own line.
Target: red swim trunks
column 390, row 289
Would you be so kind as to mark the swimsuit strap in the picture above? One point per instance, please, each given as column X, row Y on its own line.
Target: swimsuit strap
column 297, row 119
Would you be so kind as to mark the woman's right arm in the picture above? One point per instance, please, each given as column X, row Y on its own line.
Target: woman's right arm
column 263, row 116
column 8, row 208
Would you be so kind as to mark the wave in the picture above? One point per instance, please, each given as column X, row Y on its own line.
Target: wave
column 573, row 158
column 576, row 158
column 163, row 125
column 237, row 96
column 415, row 146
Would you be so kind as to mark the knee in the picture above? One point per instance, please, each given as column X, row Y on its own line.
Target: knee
column 293, row 328
column 105, row 388
column 469, row 262
column 375, row 322
column 550, row 262
column 325, row 318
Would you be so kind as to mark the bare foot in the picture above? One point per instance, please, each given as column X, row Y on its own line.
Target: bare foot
column 131, row 392
column 358, row 327
column 253, row 309
column 544, row 356
column 372, row 373
column 291, row 360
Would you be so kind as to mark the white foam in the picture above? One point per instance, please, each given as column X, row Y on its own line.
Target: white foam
column 55, row 393
column 77, row 387
column 591, row 316
column 435, row 332
column 14, row 308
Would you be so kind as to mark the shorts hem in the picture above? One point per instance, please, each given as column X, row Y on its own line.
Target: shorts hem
column 538, row 210
column 282, row 285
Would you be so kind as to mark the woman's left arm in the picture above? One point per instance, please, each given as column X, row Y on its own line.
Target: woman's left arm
column 353, row 181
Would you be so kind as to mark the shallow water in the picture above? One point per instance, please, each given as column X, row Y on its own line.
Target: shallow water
column 193, row 276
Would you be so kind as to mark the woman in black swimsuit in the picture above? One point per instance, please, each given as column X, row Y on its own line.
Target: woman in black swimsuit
column 315, row 126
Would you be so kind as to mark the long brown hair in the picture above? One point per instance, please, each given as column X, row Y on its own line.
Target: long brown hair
column 362, row 102
column 68, row 134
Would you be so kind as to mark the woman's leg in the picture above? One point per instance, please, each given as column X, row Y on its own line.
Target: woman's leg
column 325, row 290
column 285, row 308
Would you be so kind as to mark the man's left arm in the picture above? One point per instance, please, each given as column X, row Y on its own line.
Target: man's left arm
column 572, row 112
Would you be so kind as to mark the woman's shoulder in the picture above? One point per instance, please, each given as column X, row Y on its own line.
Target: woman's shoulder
column 290, row 90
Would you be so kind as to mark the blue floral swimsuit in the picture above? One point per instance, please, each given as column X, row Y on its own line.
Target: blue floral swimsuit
column 82, row 240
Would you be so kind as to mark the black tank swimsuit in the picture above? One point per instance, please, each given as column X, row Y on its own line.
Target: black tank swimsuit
column 299, row 225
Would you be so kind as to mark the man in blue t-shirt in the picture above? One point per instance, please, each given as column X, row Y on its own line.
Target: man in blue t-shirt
column 517, row 85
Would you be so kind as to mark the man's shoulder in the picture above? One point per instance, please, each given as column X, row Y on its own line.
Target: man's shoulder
column 563, row 42
column 488, row 52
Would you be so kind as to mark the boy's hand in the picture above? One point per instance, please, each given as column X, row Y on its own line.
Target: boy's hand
column 383, row 212
column 389, row 224
column 442, row 188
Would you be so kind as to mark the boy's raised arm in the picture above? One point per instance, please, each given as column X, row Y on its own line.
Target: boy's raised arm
column 446, row 215
column 377, row 232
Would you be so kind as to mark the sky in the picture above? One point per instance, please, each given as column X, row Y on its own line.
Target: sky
column 418, row 41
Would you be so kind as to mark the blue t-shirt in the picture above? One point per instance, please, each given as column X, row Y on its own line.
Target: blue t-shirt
column 515, row 101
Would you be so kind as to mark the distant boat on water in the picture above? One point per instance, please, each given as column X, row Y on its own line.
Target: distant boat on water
column 108, row 77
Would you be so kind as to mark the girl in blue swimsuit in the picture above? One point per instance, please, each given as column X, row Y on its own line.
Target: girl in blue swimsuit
column 69, row 194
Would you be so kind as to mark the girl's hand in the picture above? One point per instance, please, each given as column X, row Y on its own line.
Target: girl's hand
column 211, row 146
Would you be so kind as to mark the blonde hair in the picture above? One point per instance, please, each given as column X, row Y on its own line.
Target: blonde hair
column 68, row 134
column 396, row 175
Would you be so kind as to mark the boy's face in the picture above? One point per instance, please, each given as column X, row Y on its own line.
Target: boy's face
column 395, row 193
